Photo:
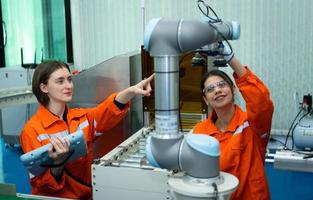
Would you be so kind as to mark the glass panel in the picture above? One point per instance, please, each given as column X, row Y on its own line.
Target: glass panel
column 54, row 29
column 37, row 27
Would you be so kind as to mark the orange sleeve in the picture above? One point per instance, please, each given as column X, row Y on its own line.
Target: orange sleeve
column 107, row 115
column 200, row 128
column 44, row 182
column 258, row 103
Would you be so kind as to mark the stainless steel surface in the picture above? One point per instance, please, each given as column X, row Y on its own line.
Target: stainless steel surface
column 166, row 83
column 136, row 111
column 97, row 83
column 131, row 150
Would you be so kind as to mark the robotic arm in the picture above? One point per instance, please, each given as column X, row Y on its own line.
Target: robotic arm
column 173, row 37
column 166, row 39
column 195, row 154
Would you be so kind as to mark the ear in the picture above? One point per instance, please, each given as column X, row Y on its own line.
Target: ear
column 43, row 88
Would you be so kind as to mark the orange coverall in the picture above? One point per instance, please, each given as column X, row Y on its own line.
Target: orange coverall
column 243, row 144
column 76, row 179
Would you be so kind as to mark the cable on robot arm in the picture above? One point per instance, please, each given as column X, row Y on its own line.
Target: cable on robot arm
column 213, row 20
column 208, row 8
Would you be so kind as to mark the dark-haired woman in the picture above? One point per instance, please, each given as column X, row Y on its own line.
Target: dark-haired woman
column 243, row 135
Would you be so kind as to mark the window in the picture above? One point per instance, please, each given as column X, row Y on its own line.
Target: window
column 34, row 30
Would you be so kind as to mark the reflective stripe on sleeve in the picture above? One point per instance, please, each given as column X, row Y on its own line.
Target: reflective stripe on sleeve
column 94, row 123
column 98, row 134
column 241, row 127
column 264, row 135
column 45, row 136
column 83, row 125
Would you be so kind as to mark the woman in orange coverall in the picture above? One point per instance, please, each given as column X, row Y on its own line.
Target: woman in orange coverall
column 243, row 136
column 53, row 87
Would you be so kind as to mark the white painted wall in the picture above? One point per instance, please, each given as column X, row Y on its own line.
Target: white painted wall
column 276, row 38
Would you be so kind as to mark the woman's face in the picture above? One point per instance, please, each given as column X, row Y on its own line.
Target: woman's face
column 217, row 92
column 59, row 87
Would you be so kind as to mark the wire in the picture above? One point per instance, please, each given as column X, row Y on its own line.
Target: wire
column 208, row 9
column 285, row 145
column 276, row 140
column 292, row 139
column 224, row 38
column 215, row 190
column 212, row 21
column 307, row 155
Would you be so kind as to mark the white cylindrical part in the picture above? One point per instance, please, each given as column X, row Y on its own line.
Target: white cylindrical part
column 187, row 188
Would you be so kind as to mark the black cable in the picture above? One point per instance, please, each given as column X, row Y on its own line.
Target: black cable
column 215, row 191
column 208, row 8
column 224, row 38
column 285, row 145
column 292, row 139
column 276, row 140
column 307, row 155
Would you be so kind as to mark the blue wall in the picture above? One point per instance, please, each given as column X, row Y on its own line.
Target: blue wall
column 11, row 168
column 289, row 185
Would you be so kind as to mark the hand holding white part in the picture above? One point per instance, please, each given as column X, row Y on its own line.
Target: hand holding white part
column 59, row 149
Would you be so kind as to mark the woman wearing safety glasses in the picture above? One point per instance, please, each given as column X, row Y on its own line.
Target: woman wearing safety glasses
column 243, row 135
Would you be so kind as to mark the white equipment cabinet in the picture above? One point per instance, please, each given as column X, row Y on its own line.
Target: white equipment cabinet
column 124, row 173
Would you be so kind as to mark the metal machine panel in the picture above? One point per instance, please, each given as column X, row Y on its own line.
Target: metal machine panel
column 95, row 84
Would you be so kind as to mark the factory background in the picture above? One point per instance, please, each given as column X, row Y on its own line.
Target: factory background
column 275, row 40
